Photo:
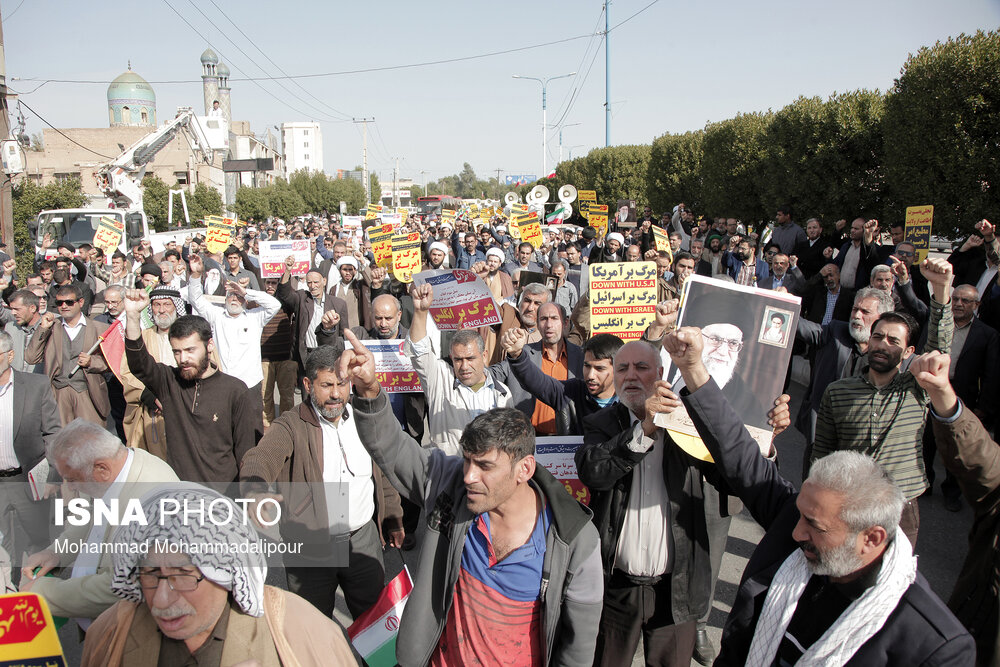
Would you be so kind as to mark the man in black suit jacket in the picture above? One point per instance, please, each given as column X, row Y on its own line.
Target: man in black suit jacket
column 858, row 256
column 702, row 267
column 814, row 302
column 975, row 351
column 28, row 420
column 814, row 253
column 817, row 553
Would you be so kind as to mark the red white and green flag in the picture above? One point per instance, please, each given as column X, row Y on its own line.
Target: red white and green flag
column 373, row 634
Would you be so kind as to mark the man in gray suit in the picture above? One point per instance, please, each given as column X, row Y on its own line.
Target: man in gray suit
column 28, row 420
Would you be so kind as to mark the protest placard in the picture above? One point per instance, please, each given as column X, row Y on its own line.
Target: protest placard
column 217, row 234
column 373, row 211
column 461, row 299
column 662, row 241
column 622, row 298
column 556, row 452
column 380, row 237
column 108, row 235
column 350, row 222
column 748, row 335
column 919, row 220
column 273, row 254
column 29, row 635
column 599, row 221
column 584, row 200
column 393, row 369
column 529, row 228
column 405, row 256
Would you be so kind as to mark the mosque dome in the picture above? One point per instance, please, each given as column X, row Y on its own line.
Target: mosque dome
column 209, row 57
column 223, row 71
column 131, row 101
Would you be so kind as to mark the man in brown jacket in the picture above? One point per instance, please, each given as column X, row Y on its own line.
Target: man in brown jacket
column 336, row 502
column 63, row 347
column 969, row 453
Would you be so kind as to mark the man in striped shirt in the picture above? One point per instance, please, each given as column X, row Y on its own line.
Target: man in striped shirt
column 882, row 412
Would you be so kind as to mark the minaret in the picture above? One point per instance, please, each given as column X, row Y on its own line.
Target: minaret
column 225, row 103
column 210, row 79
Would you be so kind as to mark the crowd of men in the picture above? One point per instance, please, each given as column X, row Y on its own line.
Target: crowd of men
column 513, row 569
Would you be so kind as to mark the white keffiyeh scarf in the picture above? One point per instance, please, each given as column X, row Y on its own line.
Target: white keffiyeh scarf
column 862, row 619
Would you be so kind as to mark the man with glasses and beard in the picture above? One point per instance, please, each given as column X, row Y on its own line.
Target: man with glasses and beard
column 209, row 417
column 834, row 580
column 882, row 411
column 316, row 446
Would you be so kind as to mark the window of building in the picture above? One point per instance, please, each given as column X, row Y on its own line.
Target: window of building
column 126, row 115
column 305, row 144
column 144, row 115
column 305, row 133
column 182, row 177
column 62, row 177
column 111, row 115
column 306, row 156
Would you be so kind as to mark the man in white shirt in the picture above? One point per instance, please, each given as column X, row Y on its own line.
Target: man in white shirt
column 455, row 396
column 343, row 528
column 236, row 329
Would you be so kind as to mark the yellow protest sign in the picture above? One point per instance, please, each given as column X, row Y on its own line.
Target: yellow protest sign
column 622, row 298
column 27, row 632
column 584, row 198
column 406, row 256
column 373, row 211
column 217, row 234
column 448, row 215
column 919, row 220
column 403, row 213
column 381, row 240
column 662, row 241
column 599, row 222
column 485, row 213
column 529, row 227
column 109, row 235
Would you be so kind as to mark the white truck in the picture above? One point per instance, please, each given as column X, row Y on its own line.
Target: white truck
column 120, row 181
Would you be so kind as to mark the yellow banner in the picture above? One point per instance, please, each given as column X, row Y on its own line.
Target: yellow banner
column 599, row 222
column 217, row 234
column 586, row 195
column 622, row 298
column 448, row 215
column 406, row 256
column 381, row 240
column 919, row 220
column 27, row 632
column 403, row 213
column 530, row 228
column 109, row 235
column 373, row 211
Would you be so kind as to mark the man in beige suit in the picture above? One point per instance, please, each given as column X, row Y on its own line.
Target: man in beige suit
column 94, row 463
column 63, row 347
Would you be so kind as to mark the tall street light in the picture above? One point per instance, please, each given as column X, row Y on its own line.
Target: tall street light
column 545, row 83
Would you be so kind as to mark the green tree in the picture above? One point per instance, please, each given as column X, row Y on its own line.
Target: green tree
column 284, row 201
column 205, row 201
column 942, row 132
column 374, row 188
column 732, row 151
column 618, row 172
column 824, row 158
column 28, row 200
column 674, row 174
column 252, row 203
column 154, row 201
column 346, row 190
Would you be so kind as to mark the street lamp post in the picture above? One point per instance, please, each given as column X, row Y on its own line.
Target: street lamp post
column 561, row 128
column 545, row 83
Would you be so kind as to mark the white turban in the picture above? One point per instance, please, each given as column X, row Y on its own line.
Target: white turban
column 615, row 236
column 346, row 259
column 437, row 245
column 497, row 252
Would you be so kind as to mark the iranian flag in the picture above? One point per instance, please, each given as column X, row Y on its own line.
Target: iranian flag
column 556, row 215
column 113, row 347
column 373, row 634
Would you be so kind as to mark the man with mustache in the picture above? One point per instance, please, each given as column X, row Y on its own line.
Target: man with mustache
column 209, row 417
column 882, row 411
column 317, row 446
column 833, row 581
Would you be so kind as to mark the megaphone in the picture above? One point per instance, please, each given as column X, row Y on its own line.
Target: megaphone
column 539, row 194
column 510, row 198
column 567, row 194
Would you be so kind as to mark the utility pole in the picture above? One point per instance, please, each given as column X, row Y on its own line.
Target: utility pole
column 6, row 194
column 497, row 193
column 364, row 156
column 607, row 75
column 424, row 175
column 561, row 128
column 545, row 127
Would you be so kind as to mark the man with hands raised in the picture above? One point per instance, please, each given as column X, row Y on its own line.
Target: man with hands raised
column 833, row 581
column 209, row 417
column 500, row 530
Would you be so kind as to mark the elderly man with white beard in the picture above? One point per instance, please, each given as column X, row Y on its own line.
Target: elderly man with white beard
column 236, row 330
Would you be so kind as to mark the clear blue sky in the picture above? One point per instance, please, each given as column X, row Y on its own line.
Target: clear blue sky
column 674, row 67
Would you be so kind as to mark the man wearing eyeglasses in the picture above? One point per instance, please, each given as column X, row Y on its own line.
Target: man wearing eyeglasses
column 66, row 348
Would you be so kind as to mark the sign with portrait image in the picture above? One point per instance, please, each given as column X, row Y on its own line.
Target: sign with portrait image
column 747, row 335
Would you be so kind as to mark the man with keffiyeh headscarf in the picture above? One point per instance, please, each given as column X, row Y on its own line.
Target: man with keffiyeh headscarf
column 834, row 580
column 210, row 604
